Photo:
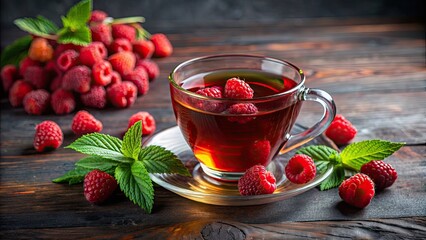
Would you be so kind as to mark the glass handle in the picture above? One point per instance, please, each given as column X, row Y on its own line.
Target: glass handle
column 329, row 113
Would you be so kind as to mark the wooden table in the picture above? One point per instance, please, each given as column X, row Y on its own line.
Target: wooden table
column 375, row 70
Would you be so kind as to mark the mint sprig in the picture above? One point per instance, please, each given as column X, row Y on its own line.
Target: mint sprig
column 39, row 26
column 16, row 51
column 351, row 158
column 75, row 28
column 126, row 160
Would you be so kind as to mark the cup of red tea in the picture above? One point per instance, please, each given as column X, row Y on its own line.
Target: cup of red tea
column 237, row 111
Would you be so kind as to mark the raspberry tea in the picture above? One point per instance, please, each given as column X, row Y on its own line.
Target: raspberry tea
column 237, row 111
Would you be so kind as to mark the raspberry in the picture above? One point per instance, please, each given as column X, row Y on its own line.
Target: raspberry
column 140, row 78
column 162, row 45
column 40, row 50
column 101, row 33
column 78, row 79
column 67, row 59
column 120, row 45
column 242, row 108
column 214, row 91
column 95, row 98
column 382, row 174
column 341, row 131
column 144, row 48
column 102, row 73
column 357, row 190
column 84, row 122
column 209, row 106
column 258, row 152
column 52, row 71
column 123, row 62
column 62, row 101
column 98, row 186
column 56, row 83
column 63, row 47
column 93, row 53
column 115, row 77
column 9, row 73
column 148, row 122
column 37, row 77
column 18, row 91
column 123, row 94
column 236, row 88
column 300, row 169
column 25, row 63
column 98, row 16
column 123, row 31
column 37, row 102
column 48, row 136
column 150, row 67
column 256, row 181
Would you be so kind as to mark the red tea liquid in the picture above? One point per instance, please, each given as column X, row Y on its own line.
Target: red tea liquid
column 223, row 143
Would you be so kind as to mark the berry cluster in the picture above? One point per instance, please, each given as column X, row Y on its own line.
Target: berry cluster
column 115, row 68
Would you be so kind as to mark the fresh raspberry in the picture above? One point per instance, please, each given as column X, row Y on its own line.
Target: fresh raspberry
column 115, row 78
column 25, row 63
column 151, row 68
column 56, row 83
column 256, row 181
column 162, row 45
column 48, row 136
column 123, row 31
column 214, row 91
column 120, row 45
column 60, row 48
column 97, row 16
column 9, row 73
column 242, row 108
column 37, row 102
column 209, row 106
column 37, row 77
column 78, row 78
column 67, row 60
column 18, row 91
column 300, row 169
column 258, row 152
column 40, row 50
column 52, row 70
column 102, row 73
column 98, row 186
column 101, row 33
column 140, row 78
column 95, row 98
column 148, row 122
column 123, row 62
column 236, row 88
column 84, row 122
column 341, row 131
column 357, row 190
column 93, row 53
column 123, row 94
column 144, row 48
column 62, row 101
column 382, row 174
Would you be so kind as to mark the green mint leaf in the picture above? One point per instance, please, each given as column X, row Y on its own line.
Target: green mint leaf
column 335, row 179
column 322, row 166
column 319, row 153
column 78, row 15
column 132, row 141
column 101, row 145
column 16, row 51
column 160, row 160
column 73, row 176
column 357, row 154
column 134, row 181
column 95, row 162
column 39, row 26
column 80, row 36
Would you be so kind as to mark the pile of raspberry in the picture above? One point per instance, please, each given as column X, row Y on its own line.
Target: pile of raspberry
column 114, row 69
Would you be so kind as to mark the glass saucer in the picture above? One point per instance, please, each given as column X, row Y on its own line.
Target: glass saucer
column 202, row 188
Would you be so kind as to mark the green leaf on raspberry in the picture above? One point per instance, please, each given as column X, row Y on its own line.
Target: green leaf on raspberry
column 357, row 154
column 73, row 176
column 78, row 15
column 134, row 181
column 80, row 36
column 335, row 179
column 39, row 26
column 95, row 162
column 101, row 145
column 318, row 152
column 160, row 160
column 16, row 51
column 132, row 141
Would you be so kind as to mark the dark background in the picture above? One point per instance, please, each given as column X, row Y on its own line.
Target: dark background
column 164, row 15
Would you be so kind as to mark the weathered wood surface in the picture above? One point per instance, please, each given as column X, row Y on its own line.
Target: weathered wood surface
column 376, row 72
